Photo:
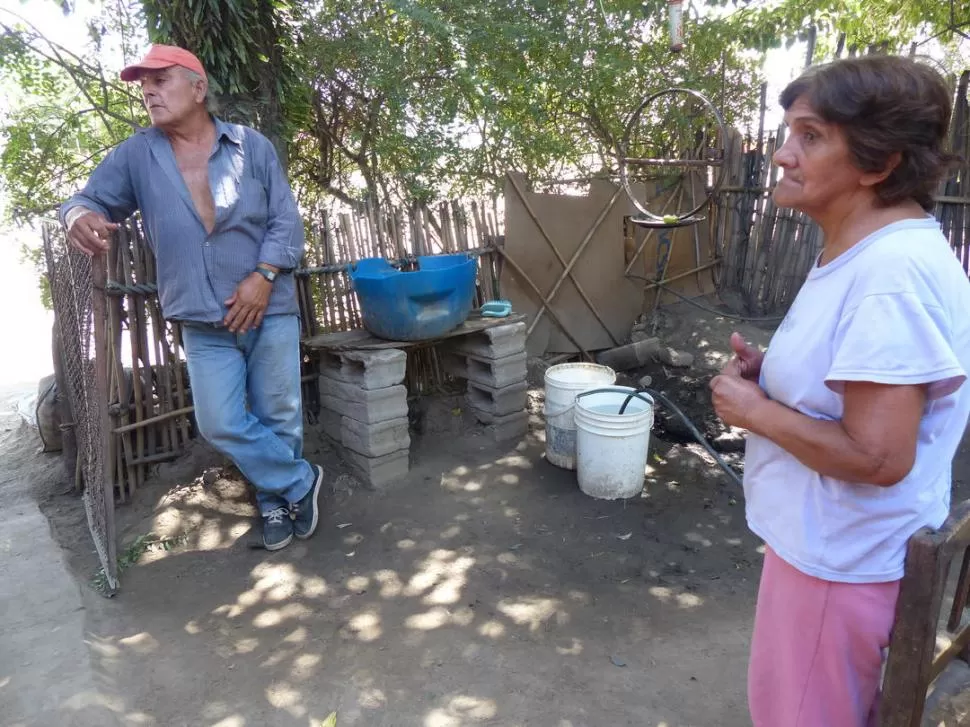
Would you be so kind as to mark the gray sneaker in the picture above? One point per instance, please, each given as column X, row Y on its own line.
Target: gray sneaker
column 306, row 512
column 277, row 529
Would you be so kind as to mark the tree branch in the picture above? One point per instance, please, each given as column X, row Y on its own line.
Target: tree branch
column 77, row 72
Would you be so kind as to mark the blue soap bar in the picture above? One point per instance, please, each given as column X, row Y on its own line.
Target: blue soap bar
column 496, row 309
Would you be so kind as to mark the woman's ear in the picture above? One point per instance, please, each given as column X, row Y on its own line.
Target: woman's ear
column 871, row 179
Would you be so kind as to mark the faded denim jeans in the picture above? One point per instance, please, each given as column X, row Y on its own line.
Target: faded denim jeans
column 247, row 396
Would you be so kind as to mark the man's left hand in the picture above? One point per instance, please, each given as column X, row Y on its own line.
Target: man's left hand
column 736, row 400
column 248, row 304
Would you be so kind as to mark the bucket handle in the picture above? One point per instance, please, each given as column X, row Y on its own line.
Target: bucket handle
column 560, row 413
column 637, row 394
column 630, row 395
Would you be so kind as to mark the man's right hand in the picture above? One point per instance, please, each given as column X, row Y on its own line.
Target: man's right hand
column 91, row 233
column 746, row 363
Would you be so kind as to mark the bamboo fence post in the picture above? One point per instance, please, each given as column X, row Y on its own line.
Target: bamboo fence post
column 345, row 237
column 100, row 319
column 352, row 255
column 447, row 241
column 426, row 224
column 376, row 232
column 155, row 437
column 420, row 244
column 136, row 380
column 318, row 259
column 180, row 393
column 163, row 361
column 481, row 237
column 399, row 232
column 126, row 475
column 339, row 316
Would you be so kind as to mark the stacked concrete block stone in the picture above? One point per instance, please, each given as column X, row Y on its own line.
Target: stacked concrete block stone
column 493, row 373
column 367, row 369
column 365, row 409
column 493, row 362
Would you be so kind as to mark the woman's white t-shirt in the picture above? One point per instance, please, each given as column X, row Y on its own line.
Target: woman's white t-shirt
column 894, row 309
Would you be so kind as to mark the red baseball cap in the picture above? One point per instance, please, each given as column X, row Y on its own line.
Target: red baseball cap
column 163, row 56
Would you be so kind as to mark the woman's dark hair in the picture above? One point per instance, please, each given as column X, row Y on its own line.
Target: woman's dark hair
column 885, row 105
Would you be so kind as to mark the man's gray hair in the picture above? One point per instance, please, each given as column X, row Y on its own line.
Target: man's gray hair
column 210, row 101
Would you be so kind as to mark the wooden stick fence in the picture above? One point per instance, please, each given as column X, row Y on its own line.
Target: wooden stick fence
column 341, row 239
column 145, row 389
column 148, row 393
column 766, row 252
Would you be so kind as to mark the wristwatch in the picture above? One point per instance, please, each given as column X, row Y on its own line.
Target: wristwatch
column 268, row 274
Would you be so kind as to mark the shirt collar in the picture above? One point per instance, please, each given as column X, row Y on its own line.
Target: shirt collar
column 229, row 131
column 223, row 130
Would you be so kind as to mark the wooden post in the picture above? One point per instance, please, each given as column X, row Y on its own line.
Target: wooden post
column 121, row 385
column 107, row 439
column 333, row 295
column 134, row 339
column 910, row 660
column 163, row 362
column 180, row 397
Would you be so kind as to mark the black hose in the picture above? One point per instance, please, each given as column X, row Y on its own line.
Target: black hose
column 690, row 425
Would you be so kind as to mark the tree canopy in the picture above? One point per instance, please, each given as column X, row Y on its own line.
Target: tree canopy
column 891, row 25
column 410, row 100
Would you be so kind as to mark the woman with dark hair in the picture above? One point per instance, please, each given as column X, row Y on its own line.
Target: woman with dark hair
column 857, row 407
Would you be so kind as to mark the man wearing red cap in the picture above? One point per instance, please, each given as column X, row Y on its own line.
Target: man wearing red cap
column 226, row 233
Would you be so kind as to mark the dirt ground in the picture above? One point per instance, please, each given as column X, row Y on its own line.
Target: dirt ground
column 486, row 589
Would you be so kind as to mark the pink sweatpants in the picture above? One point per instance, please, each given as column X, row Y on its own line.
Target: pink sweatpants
column 817, row 649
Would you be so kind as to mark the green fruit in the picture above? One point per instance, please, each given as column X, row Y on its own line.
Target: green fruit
column 671, row 219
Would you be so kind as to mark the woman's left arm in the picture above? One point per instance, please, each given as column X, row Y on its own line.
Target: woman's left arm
column 874, row 443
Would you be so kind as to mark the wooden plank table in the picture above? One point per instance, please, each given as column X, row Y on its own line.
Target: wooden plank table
column 362, row 340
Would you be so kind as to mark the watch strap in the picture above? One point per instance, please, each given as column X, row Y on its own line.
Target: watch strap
column 268, row 274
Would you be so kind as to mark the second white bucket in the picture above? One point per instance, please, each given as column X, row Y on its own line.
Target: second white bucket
column 612, row 448
column 563, row 383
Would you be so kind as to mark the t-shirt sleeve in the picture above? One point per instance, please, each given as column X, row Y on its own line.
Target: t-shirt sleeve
column 895, row 338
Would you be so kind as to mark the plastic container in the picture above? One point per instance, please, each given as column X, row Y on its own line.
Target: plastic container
column 612, row 448
column 416, row 305
column 562, row 384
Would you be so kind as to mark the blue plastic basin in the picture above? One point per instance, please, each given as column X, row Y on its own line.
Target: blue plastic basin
column 418, row 305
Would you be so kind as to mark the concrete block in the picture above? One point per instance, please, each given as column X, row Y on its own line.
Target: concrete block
column 510, row 426
column 370, row 440
column 492, row 343
column 381, row 471
column 497, row 402
column 495, row 373
column 376, row 440
column 331, row 423
column 365, row 405
column 366, row 369
column 507, row 426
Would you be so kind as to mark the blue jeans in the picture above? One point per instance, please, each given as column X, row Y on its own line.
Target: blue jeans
column 260, row 368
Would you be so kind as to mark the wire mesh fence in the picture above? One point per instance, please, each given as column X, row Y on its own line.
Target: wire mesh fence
column 79, row 312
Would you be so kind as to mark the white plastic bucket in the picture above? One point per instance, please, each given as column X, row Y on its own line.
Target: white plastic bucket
column 563, row 383
column 611, row 448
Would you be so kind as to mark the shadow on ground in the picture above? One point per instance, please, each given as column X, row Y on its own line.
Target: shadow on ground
column 484, row 590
